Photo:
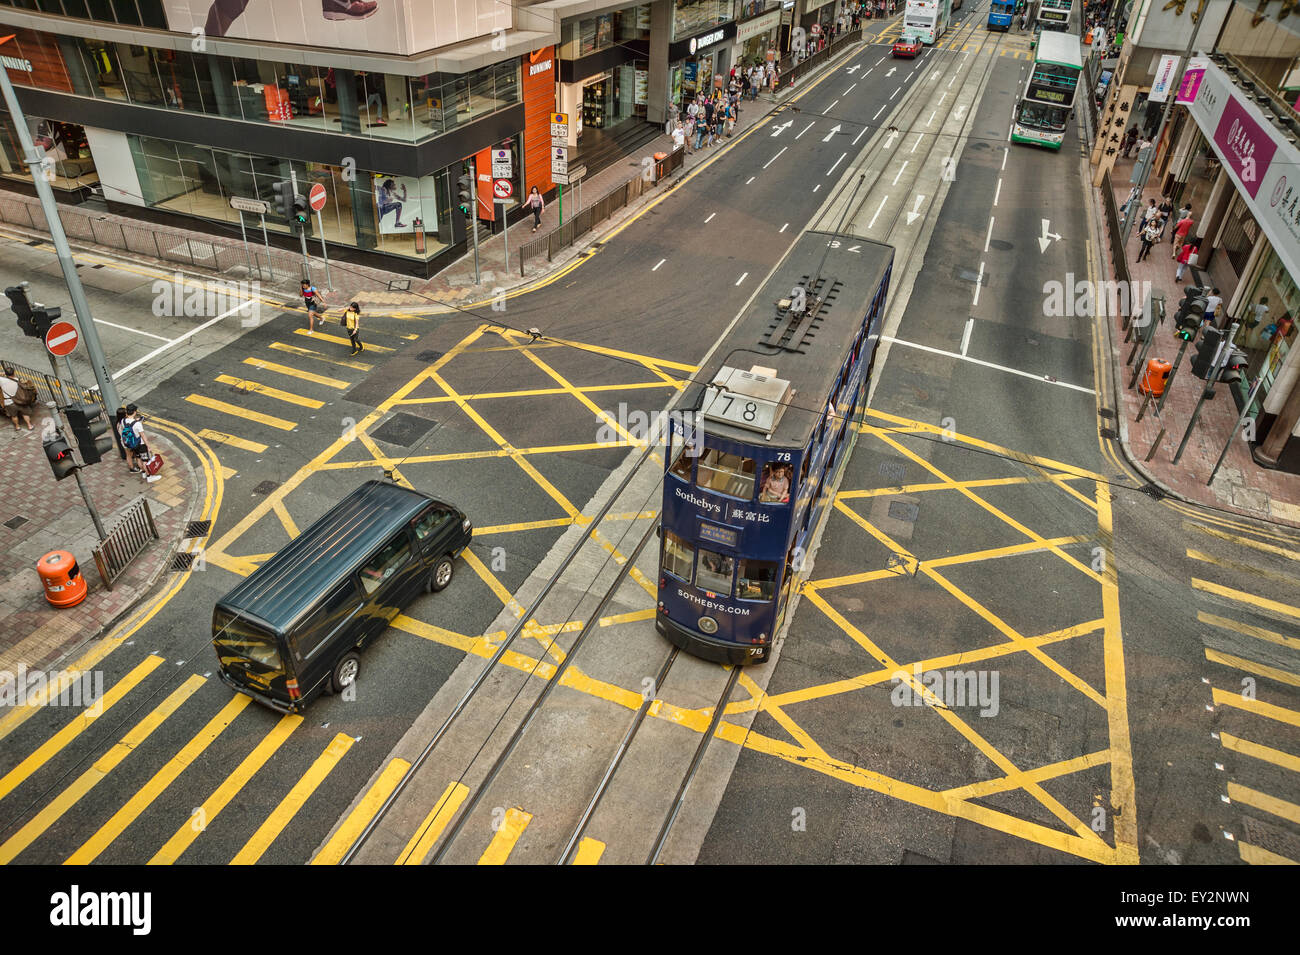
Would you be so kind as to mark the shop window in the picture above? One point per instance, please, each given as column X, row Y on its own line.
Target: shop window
column 692, row 16
column 725, row 473
column 678, row 556
column 757, row 580
column 713, row 573
column 774, row 486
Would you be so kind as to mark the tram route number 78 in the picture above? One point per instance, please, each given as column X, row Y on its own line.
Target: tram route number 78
column 749, row 413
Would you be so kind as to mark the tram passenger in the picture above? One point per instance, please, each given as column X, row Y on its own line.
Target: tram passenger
column 775, row 487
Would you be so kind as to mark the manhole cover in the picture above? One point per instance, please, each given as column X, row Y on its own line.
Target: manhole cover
column 399, row 285
column 1110, row 433
column 266, row 487
column 904, row 511
column 893, row 471
column 1153, row 492
column 16, row 522
column 429, row 356
column 182, row 561
column 1106, row 412
column 403, row 429
column 1270, row 837
column 197, row 528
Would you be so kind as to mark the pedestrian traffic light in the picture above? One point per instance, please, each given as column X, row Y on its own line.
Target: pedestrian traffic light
column 91, row 429
column 300, row 210
column 1206, row 348
column 60, row 457
column 1190, row 310
column 465, row 194
column 284, row 198
column 22, row 308
column 43, row 317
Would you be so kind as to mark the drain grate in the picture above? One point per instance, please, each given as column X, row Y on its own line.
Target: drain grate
column 428, row 356
column 893, row 471
column 1110, row 433
column 266, row 487
column 182, row 561
column 197, row 528
column 1270, row 837
column 403, row 429
column 16, row 522
column 1153, row 492
column 904, row 511
column 399, row 285
column 1105, row 413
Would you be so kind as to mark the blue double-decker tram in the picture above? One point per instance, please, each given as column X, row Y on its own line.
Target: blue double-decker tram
column 1000, row 14
column 751, row 466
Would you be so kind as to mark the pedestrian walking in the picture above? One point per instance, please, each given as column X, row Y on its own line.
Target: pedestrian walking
column 1150, row 212
column 1130, row 139
column 1166, row 210
column 679, row 136
column 1185, row 259
column 1150, row 234
column 17, row 397
column 1183, row 227
column 352, row 322
column 535, row 206
column 133, row 440
column 315, row 303
column 1212, row 303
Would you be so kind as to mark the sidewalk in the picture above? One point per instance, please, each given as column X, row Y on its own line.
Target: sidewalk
column 1241, row 485
column 39, row 515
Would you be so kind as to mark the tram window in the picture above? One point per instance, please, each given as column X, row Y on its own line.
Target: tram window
column 682, row 465
column 678, row 556
column 725, row 473
column 774, row 487
column 807, row 460
column 757, row 580
column 714, row 572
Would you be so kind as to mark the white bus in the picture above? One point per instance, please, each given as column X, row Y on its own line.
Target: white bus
column 1043, row 112
column 926, row 19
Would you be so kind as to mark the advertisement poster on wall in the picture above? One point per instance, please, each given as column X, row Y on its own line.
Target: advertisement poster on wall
column 399, row 202
column 382, row 26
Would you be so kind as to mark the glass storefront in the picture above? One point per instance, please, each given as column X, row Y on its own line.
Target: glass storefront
column 136, row 13
column 693, row 16
column 615, row 96
column 582, row 37
column 68, row 165
column 1268, row 316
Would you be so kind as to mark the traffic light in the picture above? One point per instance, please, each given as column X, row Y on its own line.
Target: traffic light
column 60, row 457
column 1190, row 310
column 284, row 198
column 43, row 317
column 22, row 308
column 1205, row 349
column 465, row 194
column 91, row 429
column 300, row 210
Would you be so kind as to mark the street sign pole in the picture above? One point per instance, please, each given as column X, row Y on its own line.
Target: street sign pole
column 54, row 416
column 302, row 232
column 473, row 178
column 320, row 224
column 505, row 233
column 107, row 389
column 244, row 232
column 266, row 242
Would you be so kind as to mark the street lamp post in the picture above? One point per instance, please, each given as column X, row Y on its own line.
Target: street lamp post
column 107, row 389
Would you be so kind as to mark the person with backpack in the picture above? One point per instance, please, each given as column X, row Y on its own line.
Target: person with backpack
column 352, row 322
column 137, row 451
column 17, row 397
column 315, row 303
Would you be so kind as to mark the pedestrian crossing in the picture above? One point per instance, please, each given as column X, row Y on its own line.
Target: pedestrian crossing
column 140, row 796
column 1243, row 581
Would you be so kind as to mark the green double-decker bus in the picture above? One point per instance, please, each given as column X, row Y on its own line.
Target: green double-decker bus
column 1044, row 110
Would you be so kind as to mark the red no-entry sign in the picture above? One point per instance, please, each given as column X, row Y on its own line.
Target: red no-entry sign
column 61, row 339
column 317, row 197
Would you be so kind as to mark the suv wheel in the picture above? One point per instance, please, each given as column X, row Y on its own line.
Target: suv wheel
column 441, row 575
column 345, row 672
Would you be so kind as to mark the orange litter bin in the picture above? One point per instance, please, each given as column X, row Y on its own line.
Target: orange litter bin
column 1155, row 378
column 61, row 577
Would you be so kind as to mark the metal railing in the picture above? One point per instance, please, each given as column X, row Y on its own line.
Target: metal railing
column 815, row 60
column 155, row 242
column 1118, row 256
column 130, row 535
column 49, row 388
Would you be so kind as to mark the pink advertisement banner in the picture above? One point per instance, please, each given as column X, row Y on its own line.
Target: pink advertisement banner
column 1245, row 145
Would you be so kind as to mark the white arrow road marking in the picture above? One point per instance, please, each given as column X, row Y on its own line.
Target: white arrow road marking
column 778, row 130
column 957, row 113
column 774, row 158
column 834, row 129
column 853, row 69
column 916, row 205
column 1046, row 238
column 889, row 140
column 891, row 72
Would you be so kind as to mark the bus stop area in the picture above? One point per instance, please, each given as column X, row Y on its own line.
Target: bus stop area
column 1240, row 484
column 39, row 515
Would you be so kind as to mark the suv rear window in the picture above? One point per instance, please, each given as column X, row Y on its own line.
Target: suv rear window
column 237, row 639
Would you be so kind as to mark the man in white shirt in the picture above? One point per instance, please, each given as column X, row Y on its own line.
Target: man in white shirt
column 1212, row 303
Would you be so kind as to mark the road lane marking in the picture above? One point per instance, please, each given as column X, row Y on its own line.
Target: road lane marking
column 54, row 810
column 879, row 111
column 1239, row 568
column 965, row 336
column 1254, row 855
column 774, row 158
column 1245, row 541
column 136, row 331
column 783, row 228
column 657, row 264
column 895, row 93
column 513, row 826
column 849, row 90
column 289, row 807
column 997, row 192
column 806, row 128
column 750, row 179
column 872, row 223
column 1246, row 630
column 899, row 174
column 931, row 119
column 915, row 144
column 989, row 238
column 213, row 404
column 429, row 831
column 333, row 851
column 1231, row 593
column 989, row 364
column 269, row 392
column 1005, row 153
column 1250, row 666
column 743, row 276
column 1259, row 751
column 1259, row 708
column 220, row 437
column 93, row 847
column 979, row 283
column 315, row 379
column 712, row 214
column 831, row 107
column 816, row 187
column 176, row 341
column 308, row 353
column 860, row 134
column 836, row 163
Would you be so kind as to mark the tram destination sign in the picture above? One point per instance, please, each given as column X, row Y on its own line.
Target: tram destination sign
column 746, row 399
column 718, row 535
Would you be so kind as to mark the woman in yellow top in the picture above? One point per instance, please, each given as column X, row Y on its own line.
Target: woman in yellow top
column 352, row 322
